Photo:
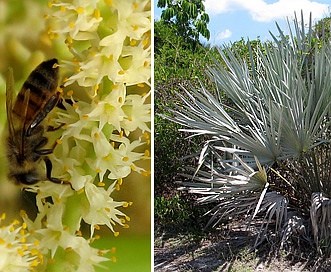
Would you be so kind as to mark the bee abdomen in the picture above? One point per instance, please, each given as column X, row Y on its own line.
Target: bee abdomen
column 42, row 83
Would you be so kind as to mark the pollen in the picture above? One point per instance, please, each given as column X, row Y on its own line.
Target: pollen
column 127, row 218
column 20, row 252
column 109, row 2
column 58, row 141
column 145, row 63
column 63, row 8
column 65, row 80
column 130, row 119
column 145, row 173
column 125, row 205
column 80, row 10
column 141, row 85
column 24, row 225
column 147, row 154
column 2, row 241
column 36, row 242
column 98, row 170
column 120, row 181
column 68, row 249
column 113, row 259
column 121, row 72
column 96, row 135
column 49, row 4
column 96, row 13
column 133, row 42
column 125, row 159
column 111, row 57
column 34, row 263
column 55, row 65
column 85, row 117
column 106, row 158
column 117, row 187
column 97, row 227
column 70, row 93
column 68, row 40
column 80, row 191
column 53, row 36
column 120, row 99
column 135, row 5
column 101, row 184
column 135, row 27
column 71, row 24
column 75, row 105
column 79, row 233
column 116, row 233
column 113, row 250
column 121, row 133
column 107, row 209
column 133, row 168
column 145, row 42
column 51, row 261
column 3, row 216
column 126, row 226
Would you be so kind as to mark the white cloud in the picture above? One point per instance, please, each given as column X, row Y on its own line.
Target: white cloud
column 264, row 12
column 223, row 35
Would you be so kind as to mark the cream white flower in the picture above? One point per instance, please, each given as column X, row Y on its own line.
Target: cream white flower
column 16, row 252
column 137, row 112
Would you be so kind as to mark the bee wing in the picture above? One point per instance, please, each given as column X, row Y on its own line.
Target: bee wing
column 9, row 101
column 23, row 125
column 17, row 136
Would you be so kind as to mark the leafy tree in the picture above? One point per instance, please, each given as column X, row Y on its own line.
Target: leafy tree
column 188, row 16
column 323, row 28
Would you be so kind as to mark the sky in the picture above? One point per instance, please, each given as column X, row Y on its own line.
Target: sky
column 231, row 20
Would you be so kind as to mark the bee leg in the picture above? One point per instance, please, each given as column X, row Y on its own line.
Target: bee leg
column 49, row 167
column 51, row 103
column 51, row 128
column 60, row 104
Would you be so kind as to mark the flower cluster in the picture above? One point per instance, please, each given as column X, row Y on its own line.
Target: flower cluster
column 18, row 252
column 104, row 132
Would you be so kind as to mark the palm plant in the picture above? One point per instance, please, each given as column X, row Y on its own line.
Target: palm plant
column 268, row 157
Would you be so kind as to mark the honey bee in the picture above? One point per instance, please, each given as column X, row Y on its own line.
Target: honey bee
column 26, row 141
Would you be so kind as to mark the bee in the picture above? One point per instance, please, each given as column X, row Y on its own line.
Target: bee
column 26, row 141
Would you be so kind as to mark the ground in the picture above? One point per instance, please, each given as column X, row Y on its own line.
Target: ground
column 219, row 253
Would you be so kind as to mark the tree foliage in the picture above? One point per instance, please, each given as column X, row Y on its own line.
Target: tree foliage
column 188, row 16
